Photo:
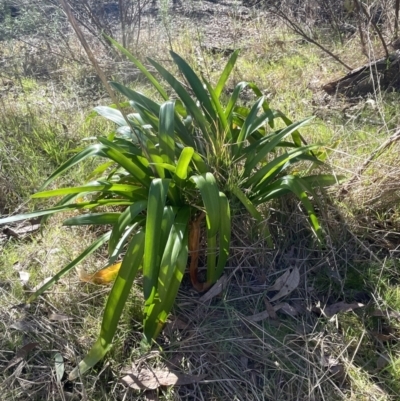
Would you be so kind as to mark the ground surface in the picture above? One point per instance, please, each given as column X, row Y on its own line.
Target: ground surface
column 334, row 337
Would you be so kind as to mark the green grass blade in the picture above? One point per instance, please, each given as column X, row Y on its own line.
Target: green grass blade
column 141, row 67
column 207, row 185
column 166, row 132
column 115, row 304
column 224, row 234
column 88, row 251
column 125, row 219
column 233, row 99
column 94, row 218
column 197, row 86
column 223, row 122
column 248, row 204
column 226, row 73
column 151, row 263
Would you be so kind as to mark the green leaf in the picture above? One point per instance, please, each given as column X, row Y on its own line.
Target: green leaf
column 244, row 132
column 197, row 86
column 151, row 263
column 115, row 305
column 250, row 207
column 182, row 166
column 137, row 170
column 141, row 67
column 260, row 177
column 226, row 73
column 186, row 99
column 88, row 251
column 171, row 276
column 224, row 234
column 92, row 150
column 267, row 145
column 166, row 132
column 106, row 187
column 93, row 218
column 111, row 114
column 125, row 219
column 207, row 185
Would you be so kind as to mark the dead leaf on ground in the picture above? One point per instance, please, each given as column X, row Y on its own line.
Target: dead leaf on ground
column 102, row 277
column 334, row 309
column 215, row 290
column 24, row 277
column 21, row 354
column 287, row 283
column 59, row 318
column 388, row 314
column 148, row 379
column 265, row 314
column 24, row 325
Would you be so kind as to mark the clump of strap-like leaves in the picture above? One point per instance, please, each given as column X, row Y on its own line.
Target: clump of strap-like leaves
column 170, row 169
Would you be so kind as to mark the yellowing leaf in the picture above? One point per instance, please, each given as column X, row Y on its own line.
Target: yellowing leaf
column 102, row 277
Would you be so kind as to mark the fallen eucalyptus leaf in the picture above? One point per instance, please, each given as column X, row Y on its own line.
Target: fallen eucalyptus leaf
column 102, row 277
column 21, row 354
column 290, row 283
column 215, row 290
column 59, row 365
column 334, row 309
column 148, row 379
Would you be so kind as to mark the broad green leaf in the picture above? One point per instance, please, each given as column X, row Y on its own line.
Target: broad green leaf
column 111, row 114
column 197, row 86
column 182, row 166
column 268, row 170
column 267, row 145
column 92, row 150
column 249, row 120
column 186, row 99
column 88, row 251
column 125, row 219
column 155, row 210
column 106, row 187
column 93, row 218
column 226, row 73
column 137, row 170
column 115, row 305
column 56, row 209
column 207, row 185
column 171, row 272
column 166, row 132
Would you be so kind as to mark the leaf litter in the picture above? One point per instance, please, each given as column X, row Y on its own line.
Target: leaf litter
column 151, row 379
